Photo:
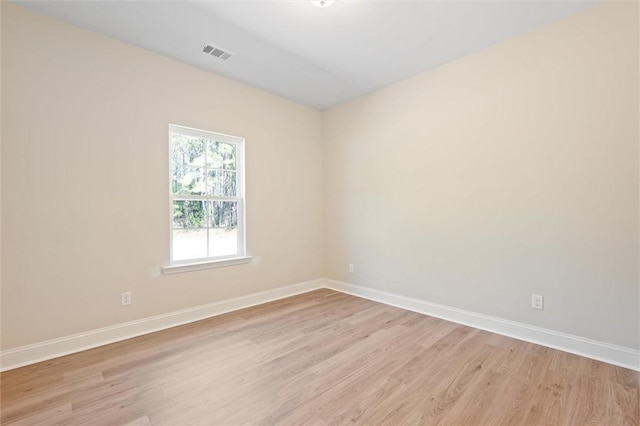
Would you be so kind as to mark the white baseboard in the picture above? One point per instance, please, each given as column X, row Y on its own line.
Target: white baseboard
column 612, row 354
column 41, row 351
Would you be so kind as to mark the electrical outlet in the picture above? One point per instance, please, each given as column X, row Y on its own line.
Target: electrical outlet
column 125, row 298
column 537, row 301
column 351, row 268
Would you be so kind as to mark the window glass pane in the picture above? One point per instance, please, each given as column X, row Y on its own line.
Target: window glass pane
column 221, row 183
column 189, row 214
column 189, row 243
column 187, row 150
column 223, row 214
column 223, row 231
column 221, row 155
column 189, row 229
column 187, row 180
column 223, row 242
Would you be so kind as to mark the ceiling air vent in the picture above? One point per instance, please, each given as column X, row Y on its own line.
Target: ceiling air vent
column 217, row 52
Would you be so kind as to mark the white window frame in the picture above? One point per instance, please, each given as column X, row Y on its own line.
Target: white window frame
column 218, row 261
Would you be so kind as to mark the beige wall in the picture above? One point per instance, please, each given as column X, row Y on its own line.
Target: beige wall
column 508, row 172
column 0, row 172
column 85, row 180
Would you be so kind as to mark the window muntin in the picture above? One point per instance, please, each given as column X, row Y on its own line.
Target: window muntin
column 206, row 195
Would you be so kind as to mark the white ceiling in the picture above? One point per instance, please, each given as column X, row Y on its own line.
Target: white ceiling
column 319, row 57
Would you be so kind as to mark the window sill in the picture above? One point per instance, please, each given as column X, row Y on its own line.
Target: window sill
column 209, row 264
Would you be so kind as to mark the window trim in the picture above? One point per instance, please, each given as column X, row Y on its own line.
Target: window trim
column 215, row 261
column 209, row 264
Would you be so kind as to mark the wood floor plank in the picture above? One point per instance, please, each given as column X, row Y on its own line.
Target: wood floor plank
column 321, row 358
column 59, row 415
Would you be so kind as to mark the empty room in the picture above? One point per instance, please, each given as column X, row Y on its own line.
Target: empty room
column 320, row 212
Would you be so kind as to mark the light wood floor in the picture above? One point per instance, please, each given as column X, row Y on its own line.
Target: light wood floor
column 321, row 358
